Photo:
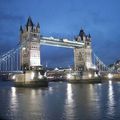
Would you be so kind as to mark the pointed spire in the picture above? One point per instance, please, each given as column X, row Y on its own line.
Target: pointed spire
column 81, row 33
column 29, row 22
column 89, row 35
column 21, row 29
column 38, row 25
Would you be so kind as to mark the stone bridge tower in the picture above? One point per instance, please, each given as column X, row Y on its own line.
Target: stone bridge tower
column 83, row 56
column 30, row 42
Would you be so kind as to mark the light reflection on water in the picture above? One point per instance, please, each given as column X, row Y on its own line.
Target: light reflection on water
column 111, row 101
column 69, row 103
column 69, row 94
column 13, row 101
column 13, row 105
column 61, row 101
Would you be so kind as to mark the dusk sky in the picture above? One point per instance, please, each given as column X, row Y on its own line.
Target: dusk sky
column 64, row 18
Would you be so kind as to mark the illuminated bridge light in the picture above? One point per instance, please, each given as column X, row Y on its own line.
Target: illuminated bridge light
column 90, row 75
column 69, row 76
column 32, row 75
column 110, row 76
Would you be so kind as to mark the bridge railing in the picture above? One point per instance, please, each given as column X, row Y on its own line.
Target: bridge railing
column 100, row 65
column 10, row 61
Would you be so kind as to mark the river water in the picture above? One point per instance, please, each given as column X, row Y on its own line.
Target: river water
column 61, row 101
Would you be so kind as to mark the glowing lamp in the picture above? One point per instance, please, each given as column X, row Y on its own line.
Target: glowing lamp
column 96, row 75
column 89, row 75
column 23, row 48
column 40, row 76
column 69, row 76
column 32, row 75
column 110, row 76
column 13, row 77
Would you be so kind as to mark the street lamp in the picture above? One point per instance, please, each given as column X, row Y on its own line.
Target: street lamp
column 69, row 76
column 110, row 76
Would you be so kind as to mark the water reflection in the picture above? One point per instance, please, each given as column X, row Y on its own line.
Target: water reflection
column 93, row 101
column 69, row 103
column 13, row 91
column 61, row 101
column 111, row 101
column 91, row 91
column 69, row 99
column 51, row 89
column 26, row 104
column 13, row 102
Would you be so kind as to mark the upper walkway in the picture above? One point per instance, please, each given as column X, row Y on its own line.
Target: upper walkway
column 60, row 42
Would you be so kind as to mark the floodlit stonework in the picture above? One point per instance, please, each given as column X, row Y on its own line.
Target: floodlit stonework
column 30, row 41
column 83, row 56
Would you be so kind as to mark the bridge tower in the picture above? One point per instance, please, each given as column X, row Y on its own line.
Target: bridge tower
column 30, row 42
column 83, row 56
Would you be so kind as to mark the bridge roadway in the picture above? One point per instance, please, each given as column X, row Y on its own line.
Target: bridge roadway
column 10, row 72
column 60, row 42
column 47, row 41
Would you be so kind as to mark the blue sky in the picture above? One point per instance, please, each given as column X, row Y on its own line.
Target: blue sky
column 64, row 18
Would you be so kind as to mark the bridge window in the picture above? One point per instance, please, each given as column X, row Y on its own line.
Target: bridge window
column 88, row 43
column 34, row 47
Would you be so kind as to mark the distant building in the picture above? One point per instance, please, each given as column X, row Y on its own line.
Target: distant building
column 57, row 73
column 115, row 66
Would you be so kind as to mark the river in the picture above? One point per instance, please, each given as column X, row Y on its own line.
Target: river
column 61, row 101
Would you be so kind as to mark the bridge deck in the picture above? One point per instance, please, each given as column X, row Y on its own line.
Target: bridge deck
column 60, row 43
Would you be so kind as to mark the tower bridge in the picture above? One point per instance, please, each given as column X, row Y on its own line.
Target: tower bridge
column 27, row 55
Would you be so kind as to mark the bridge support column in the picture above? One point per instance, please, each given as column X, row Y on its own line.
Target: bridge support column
column 30, row 57
column 83, row 67
column 31, row 78
column 30, row 42
column 83, row 56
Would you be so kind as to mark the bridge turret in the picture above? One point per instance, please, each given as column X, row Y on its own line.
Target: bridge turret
column 38, row 27
column 89, row 36
column 88, row 41
column 30, row 41
column 29, row 24
column 21, row 32
column 83, row 56
column 82, row 35
column 21, row 29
